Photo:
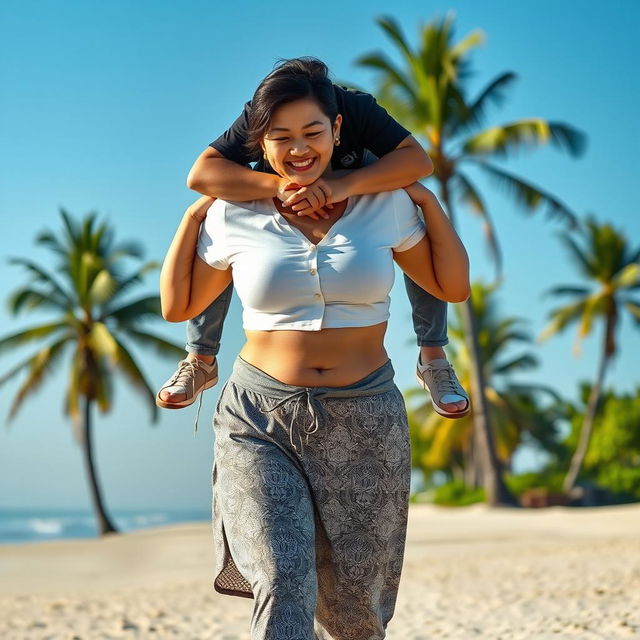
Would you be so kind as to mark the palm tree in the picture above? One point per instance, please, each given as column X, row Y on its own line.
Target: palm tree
column 515, row 408
column 613, row 270
column 88, row 294
column 427, row 95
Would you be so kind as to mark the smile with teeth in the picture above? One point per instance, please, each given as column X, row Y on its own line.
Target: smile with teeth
column 301, row 165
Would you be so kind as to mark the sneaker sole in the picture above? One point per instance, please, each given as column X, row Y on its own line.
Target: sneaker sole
column 445, row 414
column 163, row 404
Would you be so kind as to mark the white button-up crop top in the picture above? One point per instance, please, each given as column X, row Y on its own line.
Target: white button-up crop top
column 284, row 281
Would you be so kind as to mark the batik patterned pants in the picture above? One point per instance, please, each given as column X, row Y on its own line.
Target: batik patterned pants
column 310, row 501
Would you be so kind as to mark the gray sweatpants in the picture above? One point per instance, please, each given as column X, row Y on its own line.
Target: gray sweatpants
column 310, row 502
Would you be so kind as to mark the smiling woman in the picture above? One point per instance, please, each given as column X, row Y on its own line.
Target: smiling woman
column 300, row 139
column 312, row 461
column 278, row 89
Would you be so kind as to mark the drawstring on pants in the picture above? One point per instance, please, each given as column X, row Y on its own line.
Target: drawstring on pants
column 314, row 407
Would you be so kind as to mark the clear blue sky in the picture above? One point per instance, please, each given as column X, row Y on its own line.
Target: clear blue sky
column 105, row 105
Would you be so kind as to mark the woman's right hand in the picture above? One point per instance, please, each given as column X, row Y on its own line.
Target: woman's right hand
column 198, row 210
column 305, row 201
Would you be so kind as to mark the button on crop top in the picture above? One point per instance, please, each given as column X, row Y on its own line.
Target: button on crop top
column 284, row 281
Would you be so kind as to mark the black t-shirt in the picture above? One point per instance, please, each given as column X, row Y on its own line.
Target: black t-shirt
column 365, row 125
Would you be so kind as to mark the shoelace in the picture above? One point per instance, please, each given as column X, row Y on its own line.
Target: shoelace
column 313, row 406
column 195, row 424
column 444, row 376
column 187, row 369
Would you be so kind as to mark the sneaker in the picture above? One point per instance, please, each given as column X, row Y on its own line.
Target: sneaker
column 439, row 378
column 191, row 378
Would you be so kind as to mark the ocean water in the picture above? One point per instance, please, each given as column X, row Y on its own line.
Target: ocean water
column 18, row 526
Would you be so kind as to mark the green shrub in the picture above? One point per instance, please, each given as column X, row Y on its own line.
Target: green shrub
column 457, row 494
column 623, row 482
column 517, row 485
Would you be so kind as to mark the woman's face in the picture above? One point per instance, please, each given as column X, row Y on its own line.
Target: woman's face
column 299, row 141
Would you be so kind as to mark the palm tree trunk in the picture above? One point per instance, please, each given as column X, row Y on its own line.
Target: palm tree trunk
column 577, row 460
column 495, row 489
column 102, row 519
column 469, row 465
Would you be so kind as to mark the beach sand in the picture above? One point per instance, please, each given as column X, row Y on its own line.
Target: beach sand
column 468, row 573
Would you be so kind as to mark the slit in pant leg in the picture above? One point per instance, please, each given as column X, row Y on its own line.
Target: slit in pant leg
column 268, row 520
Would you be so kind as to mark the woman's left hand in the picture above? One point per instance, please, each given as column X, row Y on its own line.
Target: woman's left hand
column 198, row 210
column 313, row 199
column 310, row 200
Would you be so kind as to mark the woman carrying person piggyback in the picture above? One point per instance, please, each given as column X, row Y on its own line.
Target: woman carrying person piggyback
column 367, row 131
column 312, row 461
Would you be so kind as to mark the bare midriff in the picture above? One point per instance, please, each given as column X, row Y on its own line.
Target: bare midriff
column 325, row 358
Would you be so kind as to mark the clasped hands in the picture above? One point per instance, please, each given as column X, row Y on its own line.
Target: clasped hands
column 314, row 200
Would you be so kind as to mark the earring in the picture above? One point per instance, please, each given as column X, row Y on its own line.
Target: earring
column 264, row 155
column 337, row 141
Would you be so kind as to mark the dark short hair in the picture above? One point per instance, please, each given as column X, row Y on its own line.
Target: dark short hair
column 291, row 80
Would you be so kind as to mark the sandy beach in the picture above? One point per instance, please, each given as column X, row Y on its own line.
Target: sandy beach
column 468, row 573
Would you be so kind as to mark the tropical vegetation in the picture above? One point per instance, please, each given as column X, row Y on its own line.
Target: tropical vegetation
column 427, row 92
column 94, row 324
column 611, row 268
column 445, row 450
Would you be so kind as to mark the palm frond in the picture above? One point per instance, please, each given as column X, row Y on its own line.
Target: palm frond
column 71, row 228
column 125, row 283
column 627, row 277
column 562, row 317
column 103, row 343
column 394, row 32
column 494, row 93
column 72, row 400
column 49, row 240
column 581, row 258
column 593, row 307
column 161, row 346
column 41, row 276
column 470, row 196
column 524, row 134
column 39, row 365
column 103, row 287
column 446, row 437
column 29, row 335
column 380, row 62
column 531, row 389
column 134, row 311
column 474, row 39
column 528, row 196
column 129, row 367
column 129, row 249
column 564, row 290
column 634, row 255
column 442, row 59
column 403, row 110
column 508, row 330
column 15, row 370
column 633, row 307
column 27, row 298
column 103, row 387
column 518, row 363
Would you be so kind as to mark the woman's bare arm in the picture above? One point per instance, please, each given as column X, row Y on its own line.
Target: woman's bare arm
column 214, row 175
column 438, row 262
column 188, row 285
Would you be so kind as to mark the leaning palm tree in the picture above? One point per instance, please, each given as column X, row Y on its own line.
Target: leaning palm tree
column 93, row 314
column 516, row 408
column 613, row 270
column 427, row 94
